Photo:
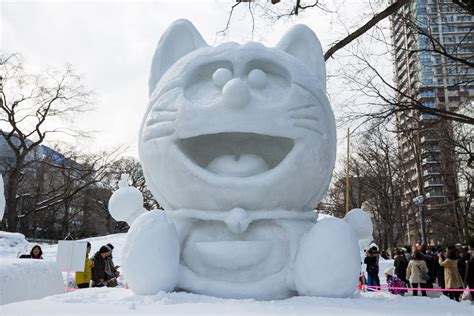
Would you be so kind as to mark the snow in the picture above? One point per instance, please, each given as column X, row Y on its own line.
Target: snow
column 2, row 198
column 328, row 267
column 119, row 301
column 12, row 244
column 126, row 204
column 247, row 132
column 151, row 254
column 27, row 279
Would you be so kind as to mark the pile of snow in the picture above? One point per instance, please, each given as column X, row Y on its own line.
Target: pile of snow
column 119, row 301
column 8, row 240
column 12, row 244
column 27, row 279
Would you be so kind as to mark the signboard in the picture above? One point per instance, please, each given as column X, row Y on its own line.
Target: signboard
column 71, row 255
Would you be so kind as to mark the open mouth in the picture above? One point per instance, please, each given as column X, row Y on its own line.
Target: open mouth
column 236, row 154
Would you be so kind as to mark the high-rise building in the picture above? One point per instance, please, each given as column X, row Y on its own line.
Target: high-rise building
column 433, row 45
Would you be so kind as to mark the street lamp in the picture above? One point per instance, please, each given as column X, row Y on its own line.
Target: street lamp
column 419, row 203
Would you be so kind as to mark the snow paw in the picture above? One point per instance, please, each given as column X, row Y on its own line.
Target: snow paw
column 151, row 254
column 328, row 261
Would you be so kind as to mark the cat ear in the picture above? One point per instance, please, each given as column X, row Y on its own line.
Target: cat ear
column 301, row 42
column 179, row 39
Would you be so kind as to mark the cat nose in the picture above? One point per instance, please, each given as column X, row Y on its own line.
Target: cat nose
column 236, row 93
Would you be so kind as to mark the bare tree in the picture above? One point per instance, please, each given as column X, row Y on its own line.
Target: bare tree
column 30, row 106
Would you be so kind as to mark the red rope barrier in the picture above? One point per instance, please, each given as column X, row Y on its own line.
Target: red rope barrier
column 416, row 288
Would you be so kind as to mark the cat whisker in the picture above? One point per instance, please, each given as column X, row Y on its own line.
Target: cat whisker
column 305, row 116
column 308, row 124
column 156, row 118
column 302, row 107
column 164, row 110
column 162, row 130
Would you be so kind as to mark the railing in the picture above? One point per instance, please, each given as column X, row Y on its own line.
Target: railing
column 434, row 194
column 433, row 184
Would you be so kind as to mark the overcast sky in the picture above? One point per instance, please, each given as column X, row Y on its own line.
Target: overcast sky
column 111, row 44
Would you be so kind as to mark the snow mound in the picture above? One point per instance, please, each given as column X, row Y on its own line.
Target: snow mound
column 27, row 279
column 12, row 239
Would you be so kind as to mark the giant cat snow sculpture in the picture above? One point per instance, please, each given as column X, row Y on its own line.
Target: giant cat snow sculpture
column 238, row 144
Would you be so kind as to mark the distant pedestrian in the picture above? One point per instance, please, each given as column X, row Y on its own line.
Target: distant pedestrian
column 430, row 260
column 463, row 258
column 394, row 283
column 417, row 273
column 83, row 279
column 451, row 274
column 469, row 277
column 35, row 253
column 440, row 270
column 99, row 277
column 372, row 269
column 400, row 263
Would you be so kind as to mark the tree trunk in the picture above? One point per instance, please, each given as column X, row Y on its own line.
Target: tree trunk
column 11, row 201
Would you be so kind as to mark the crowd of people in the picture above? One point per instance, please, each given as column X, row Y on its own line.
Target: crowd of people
column 452, row 268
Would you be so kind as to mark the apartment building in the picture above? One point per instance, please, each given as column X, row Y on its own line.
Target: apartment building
column 438, row 78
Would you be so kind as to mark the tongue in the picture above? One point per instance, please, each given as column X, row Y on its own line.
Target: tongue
column 243, row 166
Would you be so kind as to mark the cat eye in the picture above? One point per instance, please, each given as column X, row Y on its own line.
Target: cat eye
column 221, row 76
column 257, row 79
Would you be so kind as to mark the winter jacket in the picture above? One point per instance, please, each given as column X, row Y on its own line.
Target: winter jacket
column 469, row 277
column 462, row 264
column 99, row 277
column 413, row 270
column 86, row 276
column 400, row 263
column 29, row 257
column 372, row 266
column 452, row 278
column 395, row 282
column 110, row 268
column 440, row 273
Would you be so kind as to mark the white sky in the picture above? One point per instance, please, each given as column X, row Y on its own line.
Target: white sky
column 111, row 44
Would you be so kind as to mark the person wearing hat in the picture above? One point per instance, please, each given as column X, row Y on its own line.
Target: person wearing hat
column 394, row 283
column 99, row 277
column 111, row 269
column 84, row 278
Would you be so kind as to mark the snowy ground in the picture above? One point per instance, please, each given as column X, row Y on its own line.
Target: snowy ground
column 121, row 301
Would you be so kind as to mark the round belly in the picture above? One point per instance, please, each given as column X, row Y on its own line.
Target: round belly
column 214, row 252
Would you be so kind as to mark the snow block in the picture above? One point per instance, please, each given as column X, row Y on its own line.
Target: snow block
column 28, row 279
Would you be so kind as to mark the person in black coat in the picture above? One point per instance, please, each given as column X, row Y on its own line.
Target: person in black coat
column 99, row 276
column 462, row 261
column 35, row 253
column 469, row 276
column 400, row 262
column 430, row 263
column 372, row 268
column 440, row 270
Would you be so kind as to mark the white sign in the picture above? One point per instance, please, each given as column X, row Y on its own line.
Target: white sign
column 71, row 255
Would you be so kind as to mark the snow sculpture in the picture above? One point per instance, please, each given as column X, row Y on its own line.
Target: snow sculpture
column 237, row 144
column 2, row 199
